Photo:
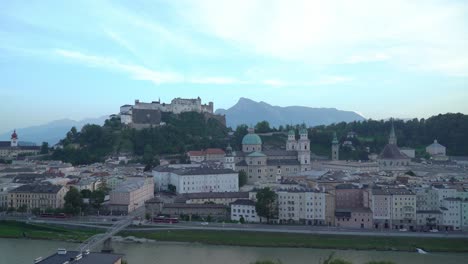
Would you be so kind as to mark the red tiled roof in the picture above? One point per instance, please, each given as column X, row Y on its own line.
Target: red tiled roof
column 210, row 151
column 214, row 151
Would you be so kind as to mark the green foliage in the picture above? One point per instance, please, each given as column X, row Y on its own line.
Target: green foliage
column 182, row 132
column 44, row 148
column 266, row 262
column 23, row 208
column 262, row 127
column 36, row 211
column 73, row 201
column 242, row 178
column 171, row 188
column 448, row 129
column 242, row 220
column 266, row 205
column 380, row 262
column 240, row 132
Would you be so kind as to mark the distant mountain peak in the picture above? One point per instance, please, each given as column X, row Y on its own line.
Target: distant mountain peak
column 248, row 111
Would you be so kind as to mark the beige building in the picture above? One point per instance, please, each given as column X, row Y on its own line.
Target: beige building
column 131, row 194
column 12, row 149
column 44, row 197
column 271, row 165
column 301, row 206
column 394, row 208
column 225, row 198
column 211, row 154
column 354, row 218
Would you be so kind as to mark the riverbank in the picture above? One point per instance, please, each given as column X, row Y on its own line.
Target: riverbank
column 12, row 229
column 285, row 240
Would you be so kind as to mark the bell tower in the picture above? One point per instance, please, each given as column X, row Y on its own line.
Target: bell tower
column 335, row 148
column 14, row 139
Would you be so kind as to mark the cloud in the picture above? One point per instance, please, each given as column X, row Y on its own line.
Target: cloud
column 321, row 80
column 376, row 57
column 332, row 32
column 137, row 72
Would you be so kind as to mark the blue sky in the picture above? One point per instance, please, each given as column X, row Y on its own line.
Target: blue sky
column 79, row 59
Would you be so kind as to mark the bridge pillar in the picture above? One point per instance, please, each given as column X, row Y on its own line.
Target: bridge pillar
column 107, row 246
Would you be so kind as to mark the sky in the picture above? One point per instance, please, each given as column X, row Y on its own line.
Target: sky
column 81, row 59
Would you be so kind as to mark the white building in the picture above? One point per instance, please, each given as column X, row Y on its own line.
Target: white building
column 436, row 149
column 393, row 208
column 131, row 194
column 196, row 178
column 244, row 208
column 301, row 205
column 452, row 213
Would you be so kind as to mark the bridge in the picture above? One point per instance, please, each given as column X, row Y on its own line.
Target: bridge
column 98, row 239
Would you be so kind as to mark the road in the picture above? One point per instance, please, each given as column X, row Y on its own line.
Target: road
column 106, row 223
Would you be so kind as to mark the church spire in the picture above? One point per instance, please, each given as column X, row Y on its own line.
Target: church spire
column 335, row 139
column 392, row 139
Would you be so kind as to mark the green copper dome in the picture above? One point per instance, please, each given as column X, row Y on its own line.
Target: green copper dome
column 303, row 131
column 251, row 139
column 291, row 132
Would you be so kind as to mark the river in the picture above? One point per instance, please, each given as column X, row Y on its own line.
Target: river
column 19, row 251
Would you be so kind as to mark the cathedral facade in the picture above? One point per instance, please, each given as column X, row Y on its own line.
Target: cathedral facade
column 270, row 165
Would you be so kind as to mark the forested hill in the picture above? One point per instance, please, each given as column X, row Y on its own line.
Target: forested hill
column 182, row 132
column 451, row 130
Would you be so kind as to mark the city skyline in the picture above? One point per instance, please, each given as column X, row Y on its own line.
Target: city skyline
column 84, row 60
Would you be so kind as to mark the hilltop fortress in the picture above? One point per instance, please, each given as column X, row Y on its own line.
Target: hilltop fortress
column 143, row 115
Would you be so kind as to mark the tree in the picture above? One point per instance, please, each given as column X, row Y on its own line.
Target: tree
column 148, row 155
column 266, row 205
column 262, row 127
column 242, row 220
column 23, row 208
column 44, row 148
column 97, row 198
column 86, row 193
column 171, row 188
column 36, row 211
column 242, row 178
column 73, row 201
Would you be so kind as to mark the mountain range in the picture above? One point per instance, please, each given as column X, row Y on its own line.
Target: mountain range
column 51, row 132
column 245, row 111
column 249, row 112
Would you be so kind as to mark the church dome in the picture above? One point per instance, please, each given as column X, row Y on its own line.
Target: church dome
column 291, row 132
column 14, row 135
column 251, row 139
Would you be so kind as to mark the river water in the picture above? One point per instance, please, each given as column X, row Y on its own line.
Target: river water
column 19, row 251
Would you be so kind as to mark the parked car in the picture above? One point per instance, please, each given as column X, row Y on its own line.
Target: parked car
column 403, row 230
column 433, row 230
column 204, row 223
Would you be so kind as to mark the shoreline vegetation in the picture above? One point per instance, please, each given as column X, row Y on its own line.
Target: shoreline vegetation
column 12, row 229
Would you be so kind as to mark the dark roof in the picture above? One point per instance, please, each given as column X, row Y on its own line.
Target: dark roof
column 29, row 177
column 5, row 144
column 43, row 188
column 244, row 202
column 391, row 151
column 213, row 195
column 272, row 153
column 345, row 186
column 392, row 191
column 279, row 162
column 202, row 170
column 92, row 258
column 195, row 206
column 9, row 170
column 428, row 212
column 241, row 163
column 30, row 147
